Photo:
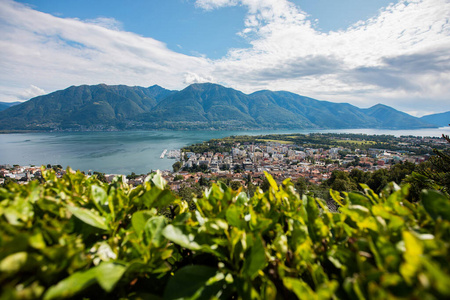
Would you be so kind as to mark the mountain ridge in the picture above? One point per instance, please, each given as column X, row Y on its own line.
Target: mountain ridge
column 5, row 105
column 198, row 106
column 439, row 119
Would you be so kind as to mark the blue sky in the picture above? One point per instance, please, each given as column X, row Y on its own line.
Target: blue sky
column 362, row 52
column 187, row 29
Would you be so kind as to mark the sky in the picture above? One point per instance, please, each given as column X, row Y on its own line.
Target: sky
column 361, row 52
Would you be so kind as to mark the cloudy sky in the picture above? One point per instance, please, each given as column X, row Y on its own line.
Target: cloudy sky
column 359, row 51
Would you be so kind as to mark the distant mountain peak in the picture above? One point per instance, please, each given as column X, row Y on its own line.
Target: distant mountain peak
column 198, row 106
column 155, row 86
column 381, row 105
column 439, row 119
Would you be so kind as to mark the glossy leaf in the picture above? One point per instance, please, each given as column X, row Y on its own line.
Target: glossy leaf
column 272, row 182
column 88, row 217
column 176, row 235
column 108, row 274
column 436, row 204
column 154, row 228
column 72, row 285
column 256, row 259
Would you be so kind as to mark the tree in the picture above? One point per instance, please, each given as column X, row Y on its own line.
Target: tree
column 188, row 193
column 203, row 181
column 177, row 166
column 399, row 171
column 439, row 170
column 378, row 180
column 359, row 176
column 100, row 176
column 251, row 189
column 248, row 179
column 265, row 185
column 178, row 177
column 224, row 167
column 235, row 185
column 340, row 181
column 132, row 176
column 301, row 185
column 203, row 168
column 238, row 168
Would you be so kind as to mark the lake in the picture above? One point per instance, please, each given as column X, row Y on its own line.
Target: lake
column 131, row 151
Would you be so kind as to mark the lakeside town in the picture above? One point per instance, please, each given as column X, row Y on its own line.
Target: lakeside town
column 281, row 158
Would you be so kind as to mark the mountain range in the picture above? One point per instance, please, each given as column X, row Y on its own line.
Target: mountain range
column 198, row 106
column 441, row 119
column 5, row 105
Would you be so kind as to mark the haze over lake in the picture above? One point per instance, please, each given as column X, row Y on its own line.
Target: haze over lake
column 131, row 151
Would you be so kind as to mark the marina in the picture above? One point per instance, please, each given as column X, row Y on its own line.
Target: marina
column 163, row 154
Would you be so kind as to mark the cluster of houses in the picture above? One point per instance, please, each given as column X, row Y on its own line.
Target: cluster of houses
column 21, row 174
column 287, row 161
column 250, row 160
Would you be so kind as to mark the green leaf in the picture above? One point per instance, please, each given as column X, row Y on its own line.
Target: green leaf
column 188, row 281
column 98, row 194
column 272, row 182
column 436, row 204
column 242, row 199
column 88, row 217
column 255, row 259
column 140, row 218
column 164, row 198
column 440, row 278
column 14, row 262
column 176, row 235
column 233, row 216
column 71, row 285
column 159, row 181
column 414, row 250
column 108, row 274
column 19, row 212
column 154, row 229
column 155, row 198
column 358, row 199
column 36, row 240
column 300, row 288
column 336, row 196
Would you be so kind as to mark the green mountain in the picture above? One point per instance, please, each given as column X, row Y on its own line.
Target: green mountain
column 388, row 117
column 81, row 106
column 441, row 120
column 201, row 105
column 5, row 105
column 307, row 112
column 198, row 106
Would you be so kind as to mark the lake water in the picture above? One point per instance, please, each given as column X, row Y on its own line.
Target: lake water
column 130, row 151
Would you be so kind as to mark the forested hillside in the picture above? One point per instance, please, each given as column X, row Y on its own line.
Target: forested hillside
column 198, row 106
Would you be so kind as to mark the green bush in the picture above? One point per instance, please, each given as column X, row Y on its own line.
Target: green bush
column 77, row 237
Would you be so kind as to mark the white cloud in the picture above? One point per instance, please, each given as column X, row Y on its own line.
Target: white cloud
column 108, row 23
column 53, row 53
column 402, row 54
column 209, row 5
column 190, row 78
column 400, row 57
column 31, row 92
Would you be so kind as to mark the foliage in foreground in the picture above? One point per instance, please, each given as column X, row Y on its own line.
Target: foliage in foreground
column 78, row 237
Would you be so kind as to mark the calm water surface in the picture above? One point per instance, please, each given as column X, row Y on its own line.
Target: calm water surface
column 130, row 151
